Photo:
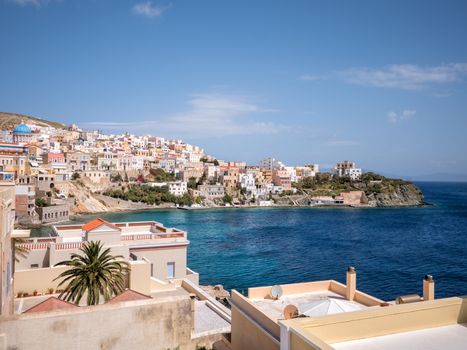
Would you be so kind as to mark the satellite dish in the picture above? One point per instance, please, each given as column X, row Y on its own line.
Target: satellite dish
column 276, row 292
column 290, row 311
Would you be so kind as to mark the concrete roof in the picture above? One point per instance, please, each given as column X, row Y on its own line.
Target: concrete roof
column 207, row 320
column 311, row 304
column 452, row 337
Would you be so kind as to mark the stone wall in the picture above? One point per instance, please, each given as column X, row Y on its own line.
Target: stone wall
column 147, row 324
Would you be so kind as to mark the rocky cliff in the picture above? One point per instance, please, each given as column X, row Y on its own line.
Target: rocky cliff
column 379, row 190
column 401, row 195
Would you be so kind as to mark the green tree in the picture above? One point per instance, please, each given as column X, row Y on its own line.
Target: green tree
column 116, row 178
column 227, row 198
column 95, row 272
column 41, row 202
column 75, row 176
column 192, row 182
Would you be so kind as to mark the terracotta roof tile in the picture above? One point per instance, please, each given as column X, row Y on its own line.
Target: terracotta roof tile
column 51, row 304
column 92, row 225
column 128, row 295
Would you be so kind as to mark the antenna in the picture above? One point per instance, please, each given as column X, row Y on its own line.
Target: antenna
column 290, row 311
column 276, row 292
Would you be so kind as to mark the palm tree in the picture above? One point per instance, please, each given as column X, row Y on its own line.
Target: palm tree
column 21, row 250
column 94, row 272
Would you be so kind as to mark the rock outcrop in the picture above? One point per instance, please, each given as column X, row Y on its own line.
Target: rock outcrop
column 403, row 195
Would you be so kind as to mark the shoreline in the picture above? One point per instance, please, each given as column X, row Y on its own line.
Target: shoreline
column 163, row 208
column 77, row 216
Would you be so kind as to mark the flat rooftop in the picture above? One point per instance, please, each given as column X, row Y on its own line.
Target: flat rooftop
column 311, row 304
column 207, row 320
column 453, row 337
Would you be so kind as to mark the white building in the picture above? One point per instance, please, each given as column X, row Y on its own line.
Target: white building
column 291, row 172
column 247, row 182
column 353, row 173
column 271, row 164
column 178, row 188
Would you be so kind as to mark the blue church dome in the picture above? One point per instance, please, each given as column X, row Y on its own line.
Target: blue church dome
column 21, row 129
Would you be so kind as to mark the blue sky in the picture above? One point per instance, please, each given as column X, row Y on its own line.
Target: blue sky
column 382, row 83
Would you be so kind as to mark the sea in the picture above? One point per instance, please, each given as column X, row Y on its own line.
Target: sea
column 392, row 249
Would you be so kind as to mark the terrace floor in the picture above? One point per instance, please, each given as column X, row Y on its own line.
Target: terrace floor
column 310, row 304
column 452, row 337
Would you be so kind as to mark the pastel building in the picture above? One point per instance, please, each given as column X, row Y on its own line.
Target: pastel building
column 162, row 308
column 7, row 234
column 160, row 250
column 256, row 318
column 328, row 315
column 211, row 191
column 282, row 178
column 347, row 168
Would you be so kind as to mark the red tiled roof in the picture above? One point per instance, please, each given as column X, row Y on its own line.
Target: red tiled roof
column 92, row 225
column 128, row 295
column 51, row 304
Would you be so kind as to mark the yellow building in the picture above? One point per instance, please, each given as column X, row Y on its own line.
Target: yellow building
column 327, row 315
column 256, row 318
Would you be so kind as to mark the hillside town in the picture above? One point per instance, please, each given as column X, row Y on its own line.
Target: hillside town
column 58, row 172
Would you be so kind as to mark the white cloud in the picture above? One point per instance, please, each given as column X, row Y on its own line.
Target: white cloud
column 148, row 9
column 392, row 117
column 308, row 77
column 36, row 3
column 405, row 76
column 407, row 114
column 207, row 115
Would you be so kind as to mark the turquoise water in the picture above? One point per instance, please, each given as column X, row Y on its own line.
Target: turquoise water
column 392, row 249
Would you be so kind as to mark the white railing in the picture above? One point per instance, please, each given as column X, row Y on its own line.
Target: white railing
column 64, row 246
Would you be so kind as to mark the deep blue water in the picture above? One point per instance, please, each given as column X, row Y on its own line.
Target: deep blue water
column 392, row 249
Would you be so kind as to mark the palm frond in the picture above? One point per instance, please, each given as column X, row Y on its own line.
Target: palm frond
column 94, row 273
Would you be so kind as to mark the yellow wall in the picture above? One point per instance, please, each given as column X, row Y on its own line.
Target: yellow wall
column 247, row 333
column 28, row 281
column 140, row 277
column 294, row 288
column 381, row 321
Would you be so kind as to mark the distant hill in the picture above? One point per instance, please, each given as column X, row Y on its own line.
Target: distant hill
column 9, row 120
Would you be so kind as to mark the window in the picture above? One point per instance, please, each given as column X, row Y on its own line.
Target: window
column 34, row 266
column 170, row 270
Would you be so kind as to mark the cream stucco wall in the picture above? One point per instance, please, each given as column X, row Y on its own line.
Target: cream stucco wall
column 381, row 321
column 28, row 281
column 140, row 276
column 159, row 257
column 251, row 329
column 148, row 324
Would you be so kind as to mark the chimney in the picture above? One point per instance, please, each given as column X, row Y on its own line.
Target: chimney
column 351, row 283
column 428, row 288
column 192, row 307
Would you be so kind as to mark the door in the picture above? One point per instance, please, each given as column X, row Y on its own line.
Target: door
column 170, row 270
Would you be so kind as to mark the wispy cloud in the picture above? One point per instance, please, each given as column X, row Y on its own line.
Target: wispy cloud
column 207, row 115
column 37, row 3
column 308, row 77
column 150, row 10
column 407, row 114
column 405, row 76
